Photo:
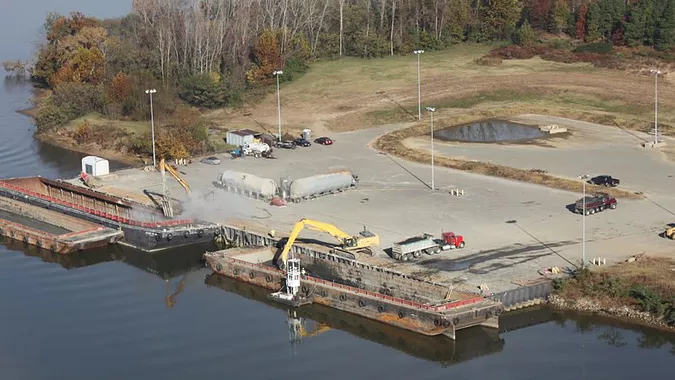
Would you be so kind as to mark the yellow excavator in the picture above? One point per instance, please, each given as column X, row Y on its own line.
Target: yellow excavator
column 360, row 243
column 163, row 166
column 670, row 233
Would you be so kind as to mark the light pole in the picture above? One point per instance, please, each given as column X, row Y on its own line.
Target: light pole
column 583, row 178
column 276, row 74
column 419, row 92
column 656, row 104
column 152, row 124
column 432, row 110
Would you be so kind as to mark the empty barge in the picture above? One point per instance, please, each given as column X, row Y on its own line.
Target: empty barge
column 406, row 303
column 143, row 227
column 50, row 229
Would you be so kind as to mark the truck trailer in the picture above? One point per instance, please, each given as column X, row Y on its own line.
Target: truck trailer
column 413, row 247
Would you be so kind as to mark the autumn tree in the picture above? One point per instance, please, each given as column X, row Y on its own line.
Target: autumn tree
column 120, row 88
column 267, row 57
column 580, row 25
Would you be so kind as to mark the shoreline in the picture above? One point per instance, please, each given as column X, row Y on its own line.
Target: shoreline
column 590, row 306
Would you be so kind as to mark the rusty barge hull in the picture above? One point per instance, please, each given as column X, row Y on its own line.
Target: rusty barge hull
column 475, row 343
column 51, row 230
column 442, row 318
column 109, row 211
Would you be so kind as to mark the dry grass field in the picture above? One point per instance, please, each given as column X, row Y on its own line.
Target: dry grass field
column 350, row 93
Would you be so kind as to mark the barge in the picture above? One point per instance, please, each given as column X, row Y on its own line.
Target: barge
column 409, row 305
column 469, row 344
column 51, row 230
column 143, row 227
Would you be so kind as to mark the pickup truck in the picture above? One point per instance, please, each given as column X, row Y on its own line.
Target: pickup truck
column 604, row 180
column 595, row 203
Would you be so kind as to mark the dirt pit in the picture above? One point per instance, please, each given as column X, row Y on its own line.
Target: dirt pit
column 490, row 131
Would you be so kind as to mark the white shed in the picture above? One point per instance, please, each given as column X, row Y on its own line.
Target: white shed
column 240, row 137
column 95, row 166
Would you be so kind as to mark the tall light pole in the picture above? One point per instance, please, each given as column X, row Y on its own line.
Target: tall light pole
column 432, row 110
column 419, row 91
column 583, row 178
column 152, row 124
column 276, row 74
column 656, row 104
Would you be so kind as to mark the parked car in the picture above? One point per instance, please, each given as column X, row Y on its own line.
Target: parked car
column 324, row 141
column 210, row 160
column 604, row 180
column 285, row 144
column 302, row 142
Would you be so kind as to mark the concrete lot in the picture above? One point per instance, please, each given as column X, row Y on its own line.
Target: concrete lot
column 394, row 201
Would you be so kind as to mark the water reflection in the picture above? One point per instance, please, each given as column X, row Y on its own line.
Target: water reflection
column 13, row 82
column 470, row 343
column 612, row 331
column 167, row 264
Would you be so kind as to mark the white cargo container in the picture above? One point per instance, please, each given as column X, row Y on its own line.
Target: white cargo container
column 248, row 184
column 242, row 137
column 95, row 166
column 323, row 184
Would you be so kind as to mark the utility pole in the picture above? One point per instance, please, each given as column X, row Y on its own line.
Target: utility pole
column 656, row 105
column 277, row 73
column 419, row 90
column 432, row 110
column 583, row 178
column 152, row 124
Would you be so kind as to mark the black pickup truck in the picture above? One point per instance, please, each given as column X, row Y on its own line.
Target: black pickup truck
column 604, row 180
column 595, row 203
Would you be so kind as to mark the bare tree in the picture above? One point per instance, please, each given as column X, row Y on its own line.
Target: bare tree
column 393, row 17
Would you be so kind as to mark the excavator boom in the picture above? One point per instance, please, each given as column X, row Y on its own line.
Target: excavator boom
column 164, row 166
column 347, row 241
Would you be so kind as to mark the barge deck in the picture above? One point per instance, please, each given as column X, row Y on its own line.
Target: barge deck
column 143, row 227
column 52, row 230
column 415, row 309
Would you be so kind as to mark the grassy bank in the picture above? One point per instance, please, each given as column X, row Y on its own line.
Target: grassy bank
column 642, row 290
column 393, row 143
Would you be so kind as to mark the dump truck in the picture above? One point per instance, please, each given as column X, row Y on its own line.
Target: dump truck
column 594, row 203
column 413, row 247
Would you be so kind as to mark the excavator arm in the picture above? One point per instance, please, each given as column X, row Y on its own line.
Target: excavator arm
column 163, row 166
column 344, row 238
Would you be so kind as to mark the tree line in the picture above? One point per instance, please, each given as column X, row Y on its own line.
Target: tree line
column 207, row 52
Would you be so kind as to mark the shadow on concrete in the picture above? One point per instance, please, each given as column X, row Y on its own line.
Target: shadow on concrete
column 408, row 171
column 500, row 258
column 629, row 132
column 571, row 208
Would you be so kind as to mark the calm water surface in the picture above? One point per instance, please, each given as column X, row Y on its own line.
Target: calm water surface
column 104, row 314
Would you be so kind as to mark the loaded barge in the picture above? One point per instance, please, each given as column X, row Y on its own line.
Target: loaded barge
column 375, row 293
column 142, row 227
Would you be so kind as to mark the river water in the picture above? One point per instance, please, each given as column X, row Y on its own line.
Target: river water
column 105, row 315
